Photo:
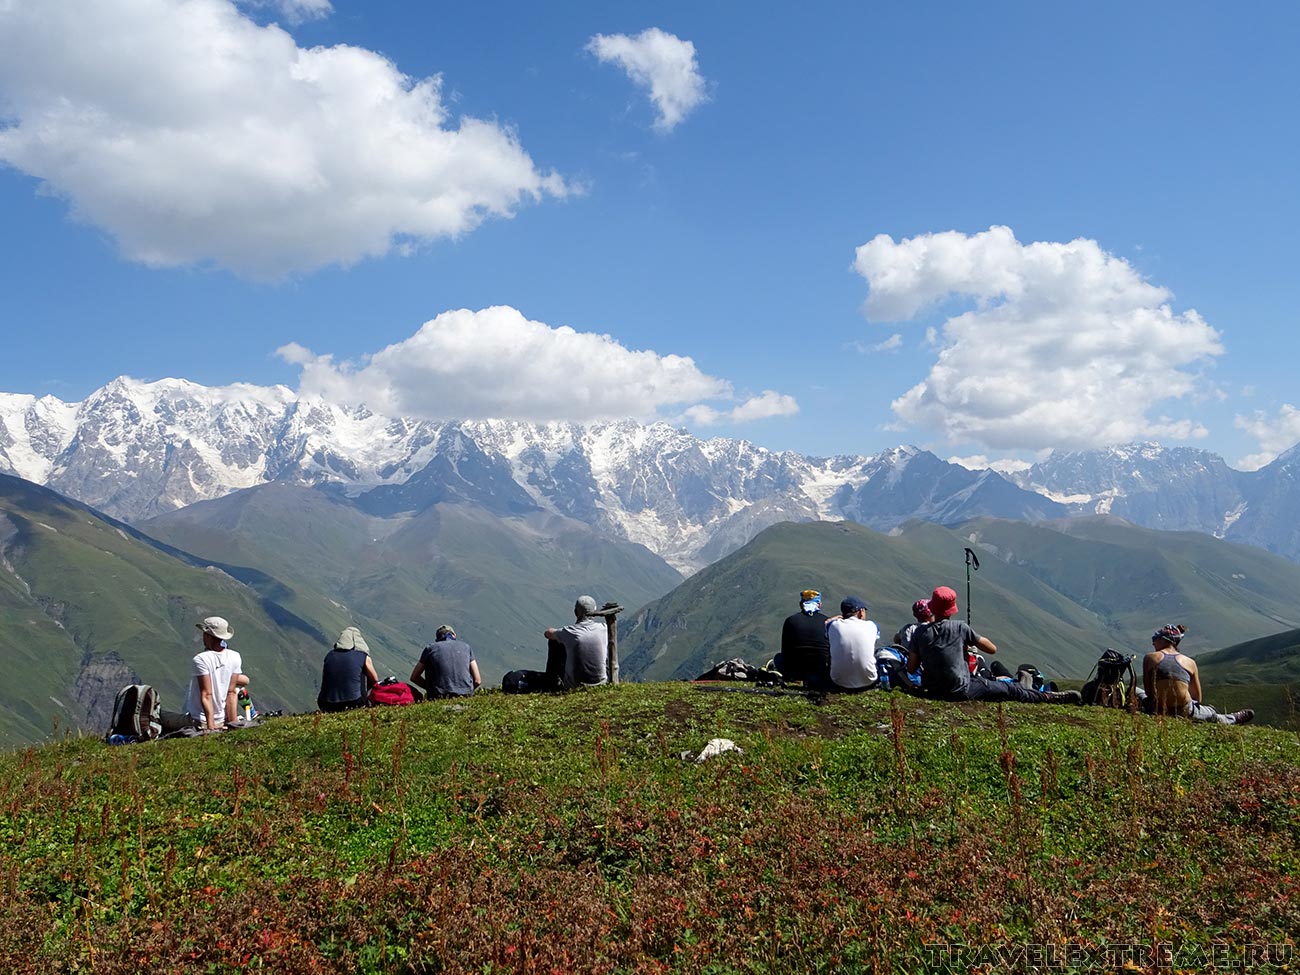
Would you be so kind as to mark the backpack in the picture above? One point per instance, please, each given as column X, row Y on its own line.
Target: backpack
column 527, row 682
column 1109, row 690
column 892, row 672
column 391, row 692
column 737, row 669
column 1027, row 675
column 137, row 715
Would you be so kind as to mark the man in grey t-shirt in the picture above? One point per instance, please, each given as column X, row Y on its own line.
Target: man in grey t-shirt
column 447, row 668
column 939, row 647
column 585, row 643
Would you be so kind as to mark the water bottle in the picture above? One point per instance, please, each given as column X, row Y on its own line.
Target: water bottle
column 245, row 705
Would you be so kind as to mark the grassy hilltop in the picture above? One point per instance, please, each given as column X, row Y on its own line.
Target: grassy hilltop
column 566, row 834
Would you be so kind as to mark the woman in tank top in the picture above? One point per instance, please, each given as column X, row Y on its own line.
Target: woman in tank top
column 1173, row 684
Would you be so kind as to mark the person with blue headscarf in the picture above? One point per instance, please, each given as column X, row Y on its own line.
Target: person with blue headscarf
column 805, row 648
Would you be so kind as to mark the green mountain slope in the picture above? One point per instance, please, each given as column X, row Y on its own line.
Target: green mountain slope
column 1137, row 578
column 1263, row 674
column 88, row 603
column 499, row 580
column 734, row 608
column 1055, row 596
column 1269, row 659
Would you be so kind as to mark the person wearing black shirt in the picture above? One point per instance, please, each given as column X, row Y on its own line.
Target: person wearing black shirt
column 805, row 649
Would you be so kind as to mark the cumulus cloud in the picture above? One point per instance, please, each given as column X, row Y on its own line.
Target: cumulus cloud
column 661, row 63
column 496, row 364
column 1067, row 346
column 767, row 404
column 193, row 135
column 1274, row 434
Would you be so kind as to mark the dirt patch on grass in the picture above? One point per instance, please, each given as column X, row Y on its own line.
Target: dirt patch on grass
column 678, row 711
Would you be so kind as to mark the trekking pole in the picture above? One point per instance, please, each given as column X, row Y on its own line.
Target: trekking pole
column 972, row 561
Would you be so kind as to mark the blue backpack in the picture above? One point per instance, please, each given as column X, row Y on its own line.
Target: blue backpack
column 891, row 669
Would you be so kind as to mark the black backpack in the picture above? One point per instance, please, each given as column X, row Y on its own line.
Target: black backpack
column 1110, row 689
column 137, row 715
column 527, row 682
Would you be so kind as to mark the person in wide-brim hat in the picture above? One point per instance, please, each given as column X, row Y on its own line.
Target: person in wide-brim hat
column 348, row 673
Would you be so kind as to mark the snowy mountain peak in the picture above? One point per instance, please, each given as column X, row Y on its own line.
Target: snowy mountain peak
column 136, row 449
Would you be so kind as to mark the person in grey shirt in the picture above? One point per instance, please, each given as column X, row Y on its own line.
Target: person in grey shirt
column 584, row 644
column 447, row 668
column 939, row 647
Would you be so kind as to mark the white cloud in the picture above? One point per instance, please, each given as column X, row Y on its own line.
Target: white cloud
column 978, row 462
column 1274, row 434
column 767, row 404
column 193, row 135
column 1067, row 346
column 295, row 11
column 496, row 364
column 660, row 62
column 891, row 344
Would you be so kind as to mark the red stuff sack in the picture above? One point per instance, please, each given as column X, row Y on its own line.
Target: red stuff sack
column 391, row 692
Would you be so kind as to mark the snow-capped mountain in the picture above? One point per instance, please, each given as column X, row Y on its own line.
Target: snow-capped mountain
column 1179, row 489
column 136, row 450
column 1171, row 488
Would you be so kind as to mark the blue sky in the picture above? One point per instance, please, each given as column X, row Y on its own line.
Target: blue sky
column 189, row 192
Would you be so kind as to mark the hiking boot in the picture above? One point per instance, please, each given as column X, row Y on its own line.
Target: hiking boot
column 1062, row 697
column 1245, row 716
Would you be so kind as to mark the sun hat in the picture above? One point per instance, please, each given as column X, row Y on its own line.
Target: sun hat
column 217, row 626
column 351, row 639
column 921, row 610
column 943, row 603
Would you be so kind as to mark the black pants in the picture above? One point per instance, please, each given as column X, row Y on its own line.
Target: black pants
column 330, row 707
column 555, row 655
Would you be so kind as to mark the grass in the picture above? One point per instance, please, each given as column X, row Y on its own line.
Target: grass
column 562, row 834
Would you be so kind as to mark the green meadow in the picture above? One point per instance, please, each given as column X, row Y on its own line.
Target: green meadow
column 568, row 834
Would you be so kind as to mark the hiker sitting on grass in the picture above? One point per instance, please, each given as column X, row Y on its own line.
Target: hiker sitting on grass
column 216, row 675
column 920, row 614
column 1172, row 684
column 576, row 654
column 853, row 648
column 447, row 668
column 348, row 674
column 805, row 649
column 939, row 648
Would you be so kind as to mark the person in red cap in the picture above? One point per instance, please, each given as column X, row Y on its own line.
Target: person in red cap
column 939, row 647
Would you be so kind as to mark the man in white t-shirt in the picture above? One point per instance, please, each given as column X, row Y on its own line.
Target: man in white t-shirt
column 215, row 677
column 853, row 647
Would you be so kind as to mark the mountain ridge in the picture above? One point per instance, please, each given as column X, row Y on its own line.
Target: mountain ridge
column 137, row 450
